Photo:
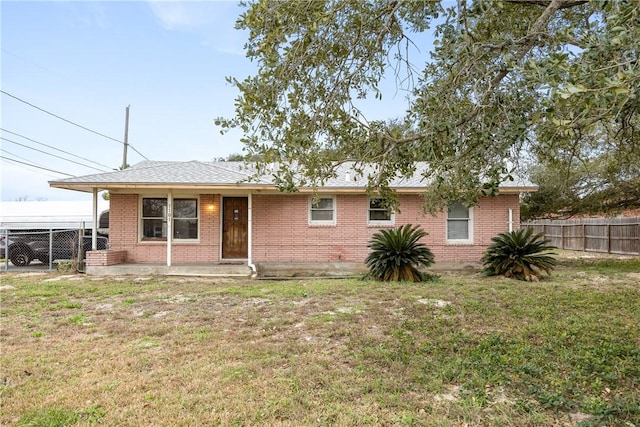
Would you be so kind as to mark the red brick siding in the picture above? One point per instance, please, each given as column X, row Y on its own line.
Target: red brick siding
column 106, row 257
column 281, row 231
column 124, row 233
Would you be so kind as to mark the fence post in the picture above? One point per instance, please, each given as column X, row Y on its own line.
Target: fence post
column 79, row 242
column 50, row 248
column 81, row 252
column 608, row 238
column 584, row 237
column 6, row 249
column 562, row 236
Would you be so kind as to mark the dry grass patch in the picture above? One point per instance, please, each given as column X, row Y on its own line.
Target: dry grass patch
column 462, row 350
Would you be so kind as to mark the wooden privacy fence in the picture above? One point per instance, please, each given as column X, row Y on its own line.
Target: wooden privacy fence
column 610, row 235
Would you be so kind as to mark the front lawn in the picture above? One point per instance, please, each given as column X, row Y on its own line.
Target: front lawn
column 463, row 350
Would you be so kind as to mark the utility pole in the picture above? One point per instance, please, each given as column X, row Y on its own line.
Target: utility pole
column 126, row 139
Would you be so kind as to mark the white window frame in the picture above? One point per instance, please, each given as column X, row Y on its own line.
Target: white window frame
column 374, row 222
column 469, row 220
column 141, row 218
column 311, row 209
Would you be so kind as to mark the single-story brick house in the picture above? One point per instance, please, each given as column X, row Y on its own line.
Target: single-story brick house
column 181, row 213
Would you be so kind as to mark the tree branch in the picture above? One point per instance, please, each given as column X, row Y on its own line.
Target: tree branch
column 566, row 5
column 527, row 43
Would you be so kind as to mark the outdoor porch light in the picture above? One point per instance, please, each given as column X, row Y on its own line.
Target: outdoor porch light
column 211, row 207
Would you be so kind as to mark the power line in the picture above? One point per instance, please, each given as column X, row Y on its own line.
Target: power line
column 54, row 148
column 61, row 118
column 34, row 166
column 48, row 70
column 49, row 154
column 134, row 149
column 28, row 168
column 70, row 122
column 20, row 157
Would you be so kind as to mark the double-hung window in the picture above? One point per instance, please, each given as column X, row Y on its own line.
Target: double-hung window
column 322, row 210
column 185, row 218
column 459, row 223
column 154, row 218
column 379, row 213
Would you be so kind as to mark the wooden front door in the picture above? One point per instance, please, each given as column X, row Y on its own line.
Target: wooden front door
column 235, row 222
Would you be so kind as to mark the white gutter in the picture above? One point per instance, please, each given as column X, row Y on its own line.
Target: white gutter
column 250, row 263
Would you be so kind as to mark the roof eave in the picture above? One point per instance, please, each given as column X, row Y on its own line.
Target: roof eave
column 517, row 190
column 88, row 187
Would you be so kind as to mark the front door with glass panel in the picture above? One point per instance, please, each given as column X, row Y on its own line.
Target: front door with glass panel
column 235, row 222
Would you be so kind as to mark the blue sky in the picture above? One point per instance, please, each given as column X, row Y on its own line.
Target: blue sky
column 86, row 61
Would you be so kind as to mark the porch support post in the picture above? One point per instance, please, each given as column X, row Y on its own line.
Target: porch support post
column 250, row 235
column 169, row 226
column 94, row 232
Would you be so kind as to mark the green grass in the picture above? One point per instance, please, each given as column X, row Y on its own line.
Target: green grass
column 616, row 266
column 55, row 417
column 463, row 350
column 77, row 319
column 608, row 264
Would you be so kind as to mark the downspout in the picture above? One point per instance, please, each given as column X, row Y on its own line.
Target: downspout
column 510, row 220
column 250, row 263
column 169, row 227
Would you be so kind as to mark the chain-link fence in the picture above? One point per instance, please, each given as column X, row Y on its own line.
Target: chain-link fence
column 45, row 249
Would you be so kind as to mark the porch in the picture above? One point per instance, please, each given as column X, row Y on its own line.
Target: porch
column 200, row 269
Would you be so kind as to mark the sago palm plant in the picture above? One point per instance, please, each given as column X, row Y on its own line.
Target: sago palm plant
column 397, row 254
column 519, row 254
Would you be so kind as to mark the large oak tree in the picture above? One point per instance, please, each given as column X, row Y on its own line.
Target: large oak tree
column 557, row 78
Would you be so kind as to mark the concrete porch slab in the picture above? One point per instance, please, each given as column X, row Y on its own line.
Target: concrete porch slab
column 204, row 270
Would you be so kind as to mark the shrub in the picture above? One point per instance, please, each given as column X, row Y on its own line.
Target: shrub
column 397, row 254
column 66, row 267
column 520, row 255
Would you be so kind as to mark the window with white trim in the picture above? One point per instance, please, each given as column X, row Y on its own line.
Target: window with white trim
column 379, row 213
column 459, row 223
column 154, row 218
column 322, row 210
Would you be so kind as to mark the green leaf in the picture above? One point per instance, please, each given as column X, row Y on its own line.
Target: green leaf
column 321, row 93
